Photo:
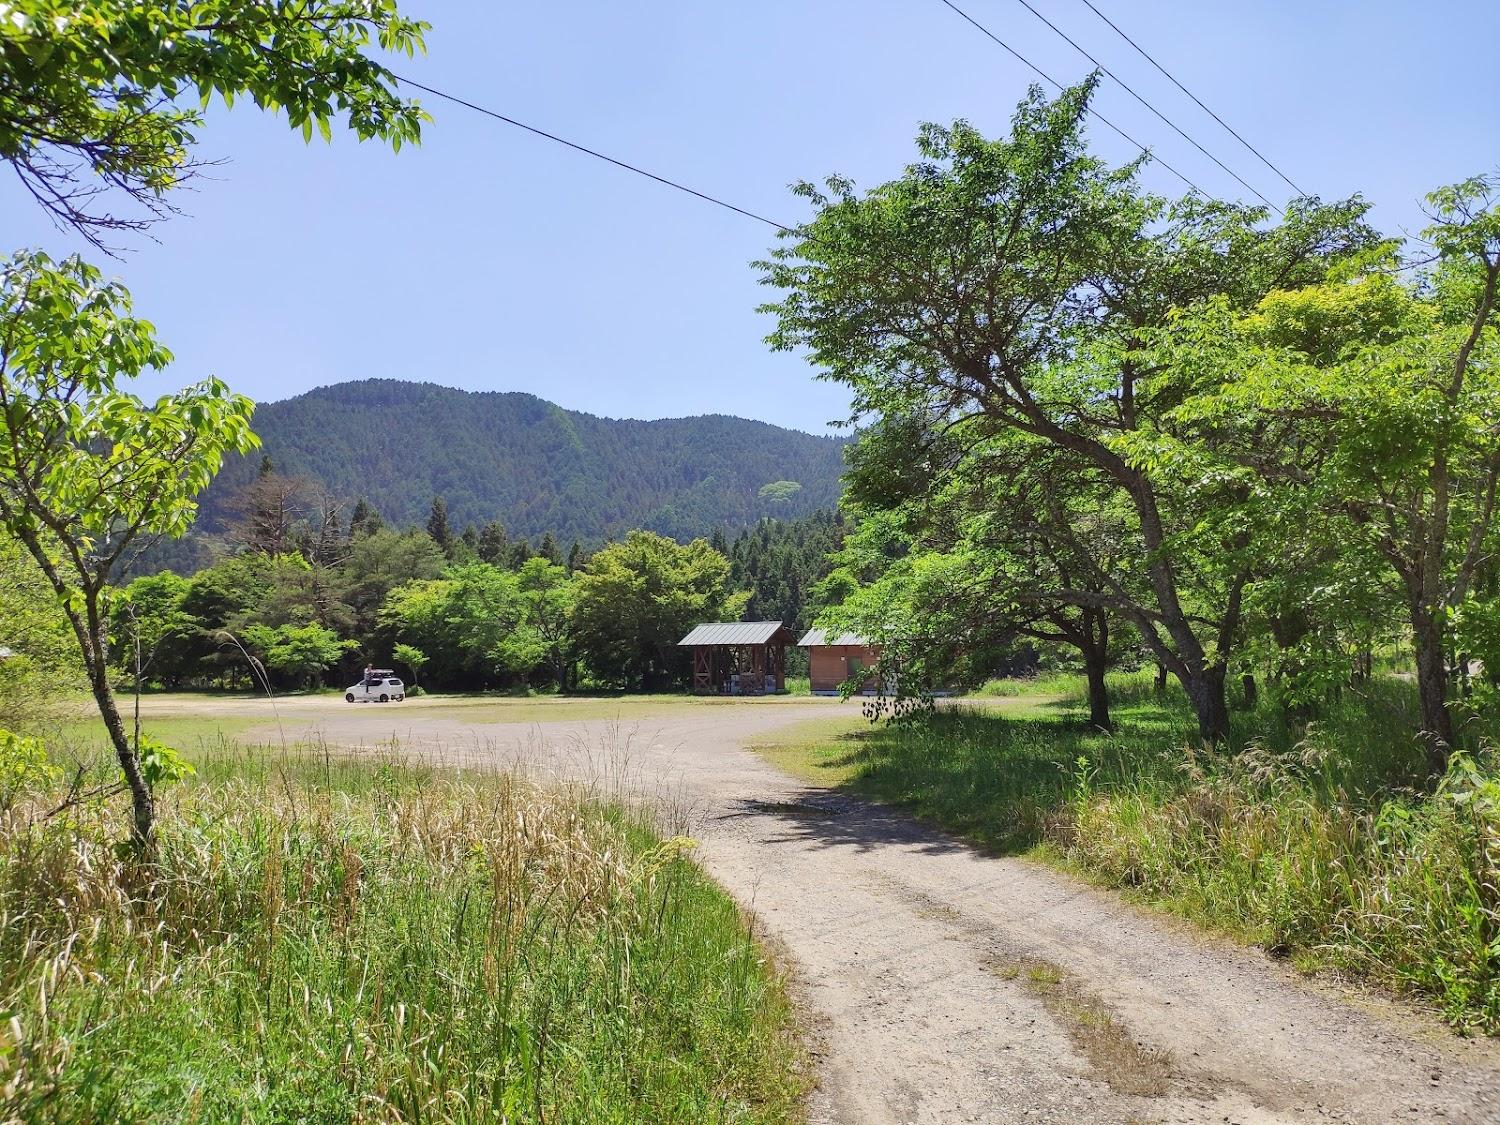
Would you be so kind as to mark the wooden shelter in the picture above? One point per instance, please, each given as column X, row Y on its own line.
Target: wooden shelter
column 834, row 658
column 738, row 657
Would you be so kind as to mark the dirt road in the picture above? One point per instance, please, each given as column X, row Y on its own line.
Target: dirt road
column 946, row 986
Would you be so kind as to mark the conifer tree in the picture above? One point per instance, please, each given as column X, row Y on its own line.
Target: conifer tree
column 494, row 547
column 437, row 525
column 365, row 520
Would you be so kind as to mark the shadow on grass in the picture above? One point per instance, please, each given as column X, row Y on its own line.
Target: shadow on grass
column 1008, row 780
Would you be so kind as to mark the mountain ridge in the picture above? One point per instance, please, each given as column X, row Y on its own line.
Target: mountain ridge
column 533, row 465
column 428, row 384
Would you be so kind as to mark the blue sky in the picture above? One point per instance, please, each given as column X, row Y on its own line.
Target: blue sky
column 491, row 260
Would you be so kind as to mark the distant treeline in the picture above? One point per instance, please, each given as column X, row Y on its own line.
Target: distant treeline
column 302, row 592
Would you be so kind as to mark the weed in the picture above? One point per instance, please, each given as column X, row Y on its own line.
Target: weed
column 324, row 939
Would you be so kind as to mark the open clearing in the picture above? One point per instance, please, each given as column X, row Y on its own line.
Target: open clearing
column 940, row 984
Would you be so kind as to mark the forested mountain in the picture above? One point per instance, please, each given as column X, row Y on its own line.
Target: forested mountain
column 532, row 465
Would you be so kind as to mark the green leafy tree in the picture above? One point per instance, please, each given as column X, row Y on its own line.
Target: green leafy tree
column 382, row 560
column 230, row 592
column 300, row 652
column 150, row 631
column 465, row 621
column 24, row 768
column 547, row 597
column 1392, row 390
column 1012, row 285
column 981, row 551
column 40, row 668
column 95, row 100
column 414, row 659
column 417, row 614
column 147, row 633
column 637, row 599
column 779, row 492
column 88, row 471
column 102, row 98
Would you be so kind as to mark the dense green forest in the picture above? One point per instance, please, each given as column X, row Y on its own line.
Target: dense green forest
column 532, row 465
column 305, row 590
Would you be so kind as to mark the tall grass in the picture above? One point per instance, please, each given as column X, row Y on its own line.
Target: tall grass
column 317, row 940
column 1322, row 843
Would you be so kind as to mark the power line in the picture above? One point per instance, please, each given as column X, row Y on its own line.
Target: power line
column 703, row 195
column 1094, row 112
column 1131, row 91
column 1227, row 127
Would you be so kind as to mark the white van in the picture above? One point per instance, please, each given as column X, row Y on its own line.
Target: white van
column 380, row 686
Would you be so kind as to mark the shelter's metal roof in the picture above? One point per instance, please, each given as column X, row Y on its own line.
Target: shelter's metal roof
column 736, row 633
column 816, row 637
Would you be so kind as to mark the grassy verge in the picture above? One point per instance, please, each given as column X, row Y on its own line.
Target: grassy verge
column 321, row 940
column 1320, row 844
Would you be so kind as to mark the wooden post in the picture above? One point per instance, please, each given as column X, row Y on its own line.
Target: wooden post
column 781, row 667
column 702, row 670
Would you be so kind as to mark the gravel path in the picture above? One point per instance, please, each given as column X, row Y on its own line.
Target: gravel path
column 942, row 985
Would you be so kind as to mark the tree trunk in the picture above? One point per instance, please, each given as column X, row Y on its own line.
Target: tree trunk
column 1094, row 665
column 1364, row 665
column 1252, row 693
column 96, row 663
column 1159, row 686
column 1206, row 691
column 1432, row 690
column 1095, row 648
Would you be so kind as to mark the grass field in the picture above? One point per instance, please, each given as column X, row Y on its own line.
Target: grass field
column 320, row 941
column 195, row 723
column 1322, row 844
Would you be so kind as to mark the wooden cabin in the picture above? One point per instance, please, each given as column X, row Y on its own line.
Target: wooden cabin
column 738, row 657
column 833, row 658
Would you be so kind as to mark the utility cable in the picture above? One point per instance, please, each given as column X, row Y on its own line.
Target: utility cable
column 1094, row 112
column 703, row 195
column 1131, row 91
column 1171, row 78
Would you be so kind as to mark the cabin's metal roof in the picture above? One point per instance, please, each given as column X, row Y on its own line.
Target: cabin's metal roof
column 815, row 638
column 735, row 633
